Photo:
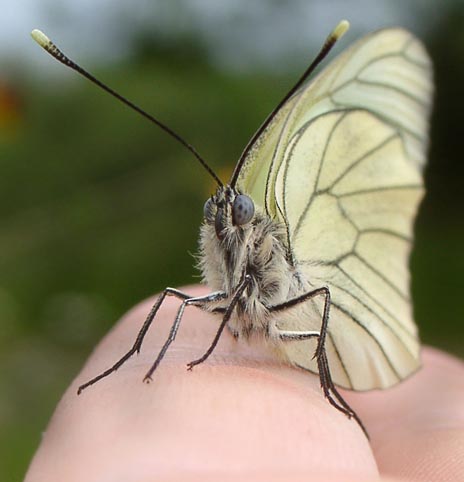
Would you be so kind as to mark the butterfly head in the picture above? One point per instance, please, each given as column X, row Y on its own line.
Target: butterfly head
column 228, row 209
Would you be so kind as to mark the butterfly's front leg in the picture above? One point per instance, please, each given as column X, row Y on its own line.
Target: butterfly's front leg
column 328, row 387
column 200, row 302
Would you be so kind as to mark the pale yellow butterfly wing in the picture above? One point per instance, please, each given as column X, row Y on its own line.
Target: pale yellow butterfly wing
column 341, row 165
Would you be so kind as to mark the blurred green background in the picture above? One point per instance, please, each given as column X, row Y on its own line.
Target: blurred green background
column 98, row 209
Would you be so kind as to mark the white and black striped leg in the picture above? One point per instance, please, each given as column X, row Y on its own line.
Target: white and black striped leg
column 140, row 336
column 227, row 314
column 325, row 381
column 200, row 302
column 287, row 335
column 328, row 387
column 324, row 373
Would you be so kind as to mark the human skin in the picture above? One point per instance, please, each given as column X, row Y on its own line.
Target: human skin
column 244, row 416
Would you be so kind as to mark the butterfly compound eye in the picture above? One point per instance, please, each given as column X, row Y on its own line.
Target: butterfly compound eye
column 243, row 209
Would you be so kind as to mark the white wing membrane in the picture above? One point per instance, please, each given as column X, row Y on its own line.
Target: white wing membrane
column 341, row 166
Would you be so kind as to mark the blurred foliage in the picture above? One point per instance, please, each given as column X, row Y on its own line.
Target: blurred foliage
column 99, row 209
column 438, row 258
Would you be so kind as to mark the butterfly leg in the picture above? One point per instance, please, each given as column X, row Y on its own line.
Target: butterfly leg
column 200, row 302
column 140, row 336
column 227, row 314
column 328, row 387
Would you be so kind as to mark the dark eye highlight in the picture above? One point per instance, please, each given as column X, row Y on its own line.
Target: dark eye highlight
column 243, row 210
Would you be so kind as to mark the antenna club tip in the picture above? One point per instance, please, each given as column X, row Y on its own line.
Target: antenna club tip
column 341, row 29
column 40, row 38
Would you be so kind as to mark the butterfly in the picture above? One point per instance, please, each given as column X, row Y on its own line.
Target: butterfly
column 307, row 245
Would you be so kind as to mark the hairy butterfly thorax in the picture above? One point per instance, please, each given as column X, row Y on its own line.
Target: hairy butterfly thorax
column 239, row 239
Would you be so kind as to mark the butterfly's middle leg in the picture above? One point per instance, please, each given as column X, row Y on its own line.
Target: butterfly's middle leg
column 227, row 312
column 328, row 387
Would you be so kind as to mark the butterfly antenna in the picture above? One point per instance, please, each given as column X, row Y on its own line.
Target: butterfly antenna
column 55, row 52
column 334, row 36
